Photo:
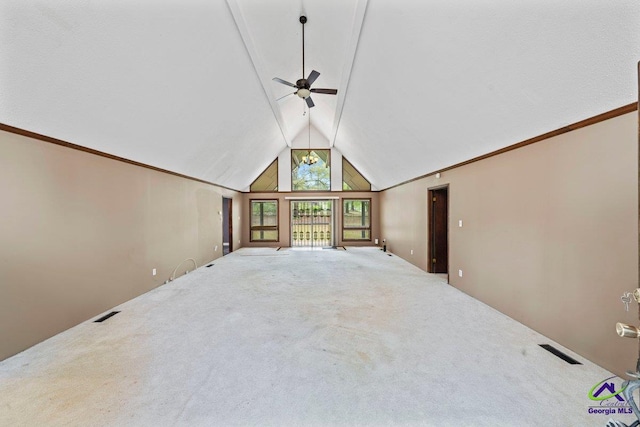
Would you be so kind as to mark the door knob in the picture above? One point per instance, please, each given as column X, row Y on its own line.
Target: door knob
column 627, row 331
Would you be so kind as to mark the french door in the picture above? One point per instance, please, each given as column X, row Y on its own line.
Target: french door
column 311, row 223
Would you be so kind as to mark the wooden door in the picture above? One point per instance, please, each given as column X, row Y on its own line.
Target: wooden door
column 439, row 230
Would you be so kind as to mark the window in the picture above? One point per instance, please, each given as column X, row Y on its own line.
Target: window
column 268, row 180
column 315, row 177
column 352, row 180
column 356, row 219
column 264, row 220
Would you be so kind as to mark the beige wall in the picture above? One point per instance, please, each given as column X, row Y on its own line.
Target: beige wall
column 284, row 218
column 549, row 236
column 81, row 234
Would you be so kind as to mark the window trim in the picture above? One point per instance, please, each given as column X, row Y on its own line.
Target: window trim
column 275, row 228
column 251, row 190
column 328, row 164
column 344, row 159
column 360, row 199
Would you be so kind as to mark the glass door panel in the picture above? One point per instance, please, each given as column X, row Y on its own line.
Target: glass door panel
column 312, row 223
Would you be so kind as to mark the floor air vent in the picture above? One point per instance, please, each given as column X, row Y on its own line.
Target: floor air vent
column 106, row 316
column 561, row 355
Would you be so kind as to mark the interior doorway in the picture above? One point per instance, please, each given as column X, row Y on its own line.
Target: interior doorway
column 439, row 230
column 227, row 225
column 312, row 224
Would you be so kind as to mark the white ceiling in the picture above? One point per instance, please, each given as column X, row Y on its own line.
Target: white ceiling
column 422, row 85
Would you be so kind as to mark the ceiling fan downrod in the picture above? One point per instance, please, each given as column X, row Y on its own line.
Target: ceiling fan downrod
column 303, row 20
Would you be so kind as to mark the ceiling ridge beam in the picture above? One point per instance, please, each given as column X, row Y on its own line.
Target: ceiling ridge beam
column 350, row 55
column 258, row 65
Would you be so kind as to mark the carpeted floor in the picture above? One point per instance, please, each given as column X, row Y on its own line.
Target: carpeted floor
column 289, row 338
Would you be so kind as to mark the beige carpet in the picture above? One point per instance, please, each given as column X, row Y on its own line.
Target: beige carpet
column 268, row 337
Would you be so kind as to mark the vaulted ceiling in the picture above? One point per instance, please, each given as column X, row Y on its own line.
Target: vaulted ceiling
column 187, row 85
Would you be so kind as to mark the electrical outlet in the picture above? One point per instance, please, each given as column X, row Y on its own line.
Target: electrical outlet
column 411, row 251
column 460, row 223
column 154, row 272
column 460, row 273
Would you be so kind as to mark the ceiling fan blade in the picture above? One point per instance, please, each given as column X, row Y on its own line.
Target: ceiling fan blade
column 284, row 82
column 289, row 94
column 325, row 91
column 309, row 101
column 313, row 75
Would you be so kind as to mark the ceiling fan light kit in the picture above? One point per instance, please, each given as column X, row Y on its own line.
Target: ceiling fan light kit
column 303, row 93
column 303, row 86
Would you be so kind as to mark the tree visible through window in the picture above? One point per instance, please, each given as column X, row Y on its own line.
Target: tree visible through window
column 315, row 177
column 264, row 220
column 356, row 219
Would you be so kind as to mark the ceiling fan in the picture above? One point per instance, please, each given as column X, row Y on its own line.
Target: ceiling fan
column 303, row 86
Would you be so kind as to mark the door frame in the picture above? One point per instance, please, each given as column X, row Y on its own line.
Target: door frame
column 230, row 223
column 430, row 228
column 334, row 237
